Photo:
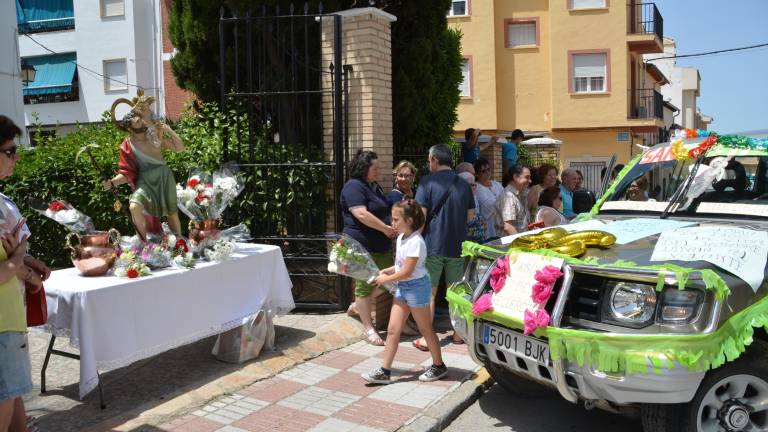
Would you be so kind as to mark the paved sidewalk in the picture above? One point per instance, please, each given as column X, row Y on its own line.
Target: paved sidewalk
column 327, row 394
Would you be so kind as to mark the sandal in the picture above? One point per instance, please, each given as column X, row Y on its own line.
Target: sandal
column 457, row 340
column 352, row 310
column 373, row 337
column 417, row 344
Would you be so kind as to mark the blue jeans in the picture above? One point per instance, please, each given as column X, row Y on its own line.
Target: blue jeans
column 15, row 371
column 416, row 293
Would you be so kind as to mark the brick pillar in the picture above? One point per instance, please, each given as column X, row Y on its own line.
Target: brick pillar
column 366, row 48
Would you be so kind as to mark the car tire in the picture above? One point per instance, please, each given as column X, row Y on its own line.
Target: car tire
column 745, row 380
column 514, row 383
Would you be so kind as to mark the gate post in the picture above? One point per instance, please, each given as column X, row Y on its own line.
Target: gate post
column 366, row 47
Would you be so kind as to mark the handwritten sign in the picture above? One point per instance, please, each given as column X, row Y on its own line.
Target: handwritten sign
column 629, row 230
column 515, row 297
column 740, row 251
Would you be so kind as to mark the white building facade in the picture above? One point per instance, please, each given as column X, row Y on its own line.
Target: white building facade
column 10, row 68
column 683, row 89
column 88, row 53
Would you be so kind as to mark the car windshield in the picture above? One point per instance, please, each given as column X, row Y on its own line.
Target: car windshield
column 726, row 182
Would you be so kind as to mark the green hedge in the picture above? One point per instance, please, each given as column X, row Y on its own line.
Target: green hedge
column 51, row 170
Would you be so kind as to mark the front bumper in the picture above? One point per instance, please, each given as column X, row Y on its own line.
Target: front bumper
column 677, row 385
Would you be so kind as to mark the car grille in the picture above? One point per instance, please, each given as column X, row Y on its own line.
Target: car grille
column 585, row 299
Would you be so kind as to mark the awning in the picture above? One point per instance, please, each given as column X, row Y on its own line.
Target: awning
column 39, row 15
column 54, row 74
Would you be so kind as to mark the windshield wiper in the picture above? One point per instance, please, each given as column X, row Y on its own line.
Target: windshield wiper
column 675, row 201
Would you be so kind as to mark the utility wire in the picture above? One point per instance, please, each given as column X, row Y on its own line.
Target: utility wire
column 88, row 69
column 708, row 52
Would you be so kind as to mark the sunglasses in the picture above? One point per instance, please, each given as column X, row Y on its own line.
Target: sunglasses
column 10, row 152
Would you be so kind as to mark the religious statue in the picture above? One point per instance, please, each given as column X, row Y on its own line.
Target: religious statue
column 143, row 167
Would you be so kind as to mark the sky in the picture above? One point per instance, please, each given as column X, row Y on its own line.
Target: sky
column 734, row 86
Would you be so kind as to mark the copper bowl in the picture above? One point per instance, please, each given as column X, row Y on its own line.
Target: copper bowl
column 95, row 253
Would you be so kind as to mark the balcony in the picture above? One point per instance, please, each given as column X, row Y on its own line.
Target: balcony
column 37, row 16
column 46, row 25
column 645, row 28
column 646, row 104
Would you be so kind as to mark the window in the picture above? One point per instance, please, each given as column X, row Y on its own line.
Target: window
column 589, row 72
column 465, row 86
column 522, row 33
column 35, row 16
column 55, row 79
column 588, row 4
column 112, row 8
column 115, row 75
column 459, row 8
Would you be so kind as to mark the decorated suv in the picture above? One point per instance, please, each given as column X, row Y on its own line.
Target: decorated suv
column 653, row 304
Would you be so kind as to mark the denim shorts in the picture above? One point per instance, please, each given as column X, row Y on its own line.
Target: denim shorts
column 15, row 371
column 416, row 293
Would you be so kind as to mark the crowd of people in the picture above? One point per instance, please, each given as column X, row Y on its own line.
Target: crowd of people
column 417, row 249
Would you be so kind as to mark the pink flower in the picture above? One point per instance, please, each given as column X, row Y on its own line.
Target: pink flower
column 499, row 274
column 482, row 304
column 548, row 275
column 541, row 293
column 534, row 320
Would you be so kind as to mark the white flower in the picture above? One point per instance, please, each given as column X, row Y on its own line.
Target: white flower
column 332, row 267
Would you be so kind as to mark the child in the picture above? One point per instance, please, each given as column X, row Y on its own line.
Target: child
column 413, row 294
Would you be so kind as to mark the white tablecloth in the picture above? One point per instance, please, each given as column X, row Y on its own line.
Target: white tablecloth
column 117, row 321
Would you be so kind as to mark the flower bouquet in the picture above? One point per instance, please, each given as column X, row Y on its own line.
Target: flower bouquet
column 130, row 265
column 205, row 197
column 348, row 257
column 63, row 213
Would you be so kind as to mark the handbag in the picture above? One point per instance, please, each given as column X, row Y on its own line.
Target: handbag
column 37, row 307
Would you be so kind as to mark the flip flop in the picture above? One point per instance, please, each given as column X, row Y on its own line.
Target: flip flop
column 417, row 344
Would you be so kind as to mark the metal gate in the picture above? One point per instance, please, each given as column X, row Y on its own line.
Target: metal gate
column 276, row 81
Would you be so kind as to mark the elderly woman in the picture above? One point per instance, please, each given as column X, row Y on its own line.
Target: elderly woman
column 546, row 176
column 16, row 269
column 548, row 211
column 476, row 227
column 512, row 214
column 405, row 173
column 638, row 190
column 487, row 193
column 366, row 216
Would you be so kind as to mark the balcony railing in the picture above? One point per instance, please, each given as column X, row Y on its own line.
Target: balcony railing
column 644, row 18
column 54, row 24
column 72, row 96
column 646, row 104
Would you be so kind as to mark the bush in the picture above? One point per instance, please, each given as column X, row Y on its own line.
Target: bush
column 52, row 170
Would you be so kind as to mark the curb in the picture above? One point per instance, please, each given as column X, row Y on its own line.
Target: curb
column 442, row 413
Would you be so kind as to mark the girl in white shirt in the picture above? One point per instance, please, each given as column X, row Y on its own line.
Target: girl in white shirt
column 413, row 295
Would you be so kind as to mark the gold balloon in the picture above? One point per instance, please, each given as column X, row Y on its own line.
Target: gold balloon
column 559, row 240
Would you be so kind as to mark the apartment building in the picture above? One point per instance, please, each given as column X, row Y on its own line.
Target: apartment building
column 571, row 70
column 87, row 53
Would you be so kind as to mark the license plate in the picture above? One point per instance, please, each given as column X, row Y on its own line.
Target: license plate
column 515, row 343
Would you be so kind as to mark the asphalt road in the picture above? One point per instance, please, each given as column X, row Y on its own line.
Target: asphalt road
column 536, row 409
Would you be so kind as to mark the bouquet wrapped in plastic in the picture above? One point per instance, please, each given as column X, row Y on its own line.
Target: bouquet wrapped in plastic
column 347, row 257
column 205, row 197
column 63, row 213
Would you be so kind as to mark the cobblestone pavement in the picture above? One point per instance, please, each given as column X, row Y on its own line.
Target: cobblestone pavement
column 327, row 394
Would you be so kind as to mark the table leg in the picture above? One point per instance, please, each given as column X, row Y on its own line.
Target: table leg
column 101, row 393
column 45, row 363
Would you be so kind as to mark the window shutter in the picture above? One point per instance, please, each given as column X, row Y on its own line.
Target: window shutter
column 521, row 34
column 113, row 8
column 588, row 65
column 465, row 79
column 116, row 75
column 587, row 4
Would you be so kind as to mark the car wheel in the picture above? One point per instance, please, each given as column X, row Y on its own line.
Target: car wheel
column 733, row 397
column 515, row 384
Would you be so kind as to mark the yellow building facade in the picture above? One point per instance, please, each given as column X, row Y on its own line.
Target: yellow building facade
column 566, row 69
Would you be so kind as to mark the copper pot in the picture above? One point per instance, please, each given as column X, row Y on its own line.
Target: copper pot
column 95, row 253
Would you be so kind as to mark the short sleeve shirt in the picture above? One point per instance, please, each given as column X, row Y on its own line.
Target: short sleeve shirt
column 448, row 228
column 511, row 207
column 411, row 247
column 486, row 200
column 509, row 152
column 470, row 154
column 567, row 202
column 357, row 193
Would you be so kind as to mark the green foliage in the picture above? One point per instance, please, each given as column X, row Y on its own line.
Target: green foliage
column 276, row 199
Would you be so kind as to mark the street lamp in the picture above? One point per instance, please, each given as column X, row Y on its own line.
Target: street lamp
column 28, row 72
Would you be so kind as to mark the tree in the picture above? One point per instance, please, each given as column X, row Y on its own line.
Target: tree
column 426, row 61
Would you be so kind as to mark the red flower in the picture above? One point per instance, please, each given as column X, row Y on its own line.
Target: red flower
column 56, row 206
column 181, row 244
column 193, row 182
column 200, row 198
column 132, row 273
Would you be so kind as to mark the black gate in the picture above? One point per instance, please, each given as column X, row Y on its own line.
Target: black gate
column 275, row 79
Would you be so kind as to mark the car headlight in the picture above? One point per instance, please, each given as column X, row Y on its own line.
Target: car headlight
column 631, row 304
column 680, row 306
column 477, row 271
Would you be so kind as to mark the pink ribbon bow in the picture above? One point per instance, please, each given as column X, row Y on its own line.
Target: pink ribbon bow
column 482, row 304
column 499, row 274
column 548, row 275
column 541, row 293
